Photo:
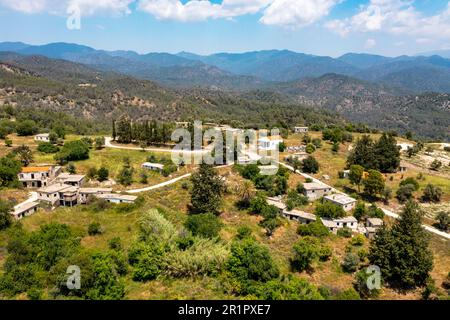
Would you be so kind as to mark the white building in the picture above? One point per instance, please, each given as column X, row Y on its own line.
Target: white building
column 42, row 137
column 153, row 166
column 336, row 224
column 25, row 210
column 76, row 180
column 301, row 129
column 372, row 226
column 117, row 198
column 38, row 176
column 59, row 194
column 300, row 216
column 85, row 193
column 269, row 143
column 314, row 190
column 347, row 203
column 276, row 202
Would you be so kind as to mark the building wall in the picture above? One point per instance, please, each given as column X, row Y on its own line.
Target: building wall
column 317, row 194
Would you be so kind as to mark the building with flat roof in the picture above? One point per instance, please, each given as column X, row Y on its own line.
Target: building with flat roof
column 269, row 143
column 335, row 224
column 153, row 166
column 117, row 197
column 276, row 202
column 374, row 222
column 76, row 180
column 25, row 210
column 299, row 216
column 85, row 193
column 301, row 129
column 347, row 203
column 52, row 194
column 314, row 191
column 42, row 137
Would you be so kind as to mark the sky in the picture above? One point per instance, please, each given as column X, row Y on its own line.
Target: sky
column 321, row 27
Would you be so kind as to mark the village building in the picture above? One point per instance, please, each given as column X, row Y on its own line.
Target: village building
column 297, row 156
column 153, row 166
column 269, row 143
column 372, row 226
column 25, row 210
column 42, row 137
column 346, row 174
column 403, row 167
column 299, row 216
column 58, row 194
column 38, row 176
column 314, row 190
column 301, row 129
column 276, row 202
column 345, row 202
column 117, row 198
column 336, row 224
column 76, row 180
column 85, row 193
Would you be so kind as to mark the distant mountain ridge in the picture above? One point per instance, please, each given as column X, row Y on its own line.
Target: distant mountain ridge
column 251, row 70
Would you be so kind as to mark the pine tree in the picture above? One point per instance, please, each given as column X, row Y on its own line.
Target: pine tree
column 363, row 153
column 411, row 257
column 207, row 189
column 387, row 154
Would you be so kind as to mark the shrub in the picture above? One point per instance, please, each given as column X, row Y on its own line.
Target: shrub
column 26, row 128
column 306, row 251
column 243, row 232
column 115, row 243
column 295, row 200
column 412, row 182
column 315, row 229
column 310, row 148
column 345, row 233
column 47, row 147
column 443, row 219
column 94, row 229
column 329, row 210
column 405, row 193
column 310, row 165
column 358, row 240
column 436, row 165
column 71, row 168
column 102, row 174
column 147, row 260
column 351, row 262
column 347, row 295
column 360, row 285
column 169, row 169
column 204, row 225
column 432, row 194
column 73, row 151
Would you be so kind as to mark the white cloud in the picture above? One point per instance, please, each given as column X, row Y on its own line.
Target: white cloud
column 370, row 43
column 398, row 17
column 274, row 12
column 86, row 7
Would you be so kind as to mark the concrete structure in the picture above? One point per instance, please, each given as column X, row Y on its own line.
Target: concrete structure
column 301, row 129
column 300, row 216
column 347, row 203
column 85, row 193
column 55, row 193
column 374, row 222
column 153, row 166
column 76, row 180
column 346, row 174
column 314, row 191
column 276, row 202
column 25, row 210
column 42, row 137
column 336, row 224
column 117, row 198
column 299, row 156
column 38, row 176
column 269, row 143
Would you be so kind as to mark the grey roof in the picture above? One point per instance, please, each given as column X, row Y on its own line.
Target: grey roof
column 315, row 186
column 58, row 187
column 117, row 196
column 71, row 177
column 340, row 199
column 278, row 204
column 95, row 190
column 301, row 214
column 375, row 221
column 24, row 207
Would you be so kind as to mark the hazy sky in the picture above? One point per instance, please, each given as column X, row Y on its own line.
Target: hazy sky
column 324, row 27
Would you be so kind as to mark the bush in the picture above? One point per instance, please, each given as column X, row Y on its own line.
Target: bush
column 432, row 194
column 73, row 151
column 251, row 264
column 306, row 251
column 405, row 193
column 360, row 285
column 47, row 147
column 443, row 219
column 102, row 174
column 204, row 225
column 345, row 233
column 295, row 200
column 347, row 295
column 351, row 262
column 412, row 182
column 310, row 148
column 26, row 128
column 169, row 169
column 94, row 229
column 115, row 243
column 358, row 240
column 315, row 229
column 310, row 165
column 71, row 168
column 436, row 165
column 147, row 260
column 243, row 232
column 329, row 210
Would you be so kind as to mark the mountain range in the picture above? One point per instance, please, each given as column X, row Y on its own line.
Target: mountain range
column 250, row 70
column 402, row 94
